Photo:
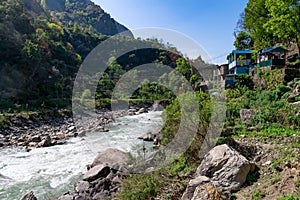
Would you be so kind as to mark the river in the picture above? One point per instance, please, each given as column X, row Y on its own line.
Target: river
column 51, row 171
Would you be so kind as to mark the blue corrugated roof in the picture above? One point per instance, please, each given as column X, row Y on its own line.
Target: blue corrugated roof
column 274, row 49
column 244, row 51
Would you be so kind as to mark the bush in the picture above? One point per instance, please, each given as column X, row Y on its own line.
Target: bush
column 288, row 197
column 140, row 187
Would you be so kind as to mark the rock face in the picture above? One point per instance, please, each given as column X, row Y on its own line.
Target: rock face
column 102, row 181
column 222, row 168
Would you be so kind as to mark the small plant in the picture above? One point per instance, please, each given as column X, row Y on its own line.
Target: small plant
column 297, row 183
column 179, row 166
column 258, row 194
column 288, row 197
column 275, row 179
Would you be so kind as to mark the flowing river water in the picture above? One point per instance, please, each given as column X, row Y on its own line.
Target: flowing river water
column 51, row 171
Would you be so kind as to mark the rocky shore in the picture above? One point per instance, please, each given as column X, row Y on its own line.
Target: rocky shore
column 54, row 127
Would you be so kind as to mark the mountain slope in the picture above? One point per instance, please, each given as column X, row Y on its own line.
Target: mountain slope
column 42, row 44
column 85, row 13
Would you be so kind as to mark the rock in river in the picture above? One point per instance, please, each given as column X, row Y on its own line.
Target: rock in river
column 96, row 172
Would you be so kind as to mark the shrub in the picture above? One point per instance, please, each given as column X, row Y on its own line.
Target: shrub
column 140, row 187
column 288, row 197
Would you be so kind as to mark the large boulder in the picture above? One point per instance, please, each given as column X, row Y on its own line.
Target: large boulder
column 98, row 171
column 222, row 171
column 227, row 168
column 111, row 157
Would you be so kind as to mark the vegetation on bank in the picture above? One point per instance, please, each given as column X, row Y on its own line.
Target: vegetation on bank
column 263, row 24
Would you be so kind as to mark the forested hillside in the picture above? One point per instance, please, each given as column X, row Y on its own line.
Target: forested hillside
column 40, row 54
column 43, row 43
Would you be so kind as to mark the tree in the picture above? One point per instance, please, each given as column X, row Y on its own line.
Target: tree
column 56, row 30
column 243, row 41
column 184, row 67
column 31, row 52
column 283, row 22
column 256, row 15
column 75, row 27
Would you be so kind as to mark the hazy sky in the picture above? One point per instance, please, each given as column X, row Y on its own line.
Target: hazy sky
column 210, row 23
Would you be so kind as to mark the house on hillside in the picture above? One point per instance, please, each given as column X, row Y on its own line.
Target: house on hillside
column 239, row 62
column 272, row 57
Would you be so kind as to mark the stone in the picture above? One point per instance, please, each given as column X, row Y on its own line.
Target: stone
column 226, row 168
column 189, row 192
column 142, row 110
column 36, row 138
column 71, row 128
column 98, row 171
column 207, row 192
column 65, row 197
column 82, row 186
column 102, row 196
column 111, row 157
column 269, row 162
column 29, row 196
column 46, row 142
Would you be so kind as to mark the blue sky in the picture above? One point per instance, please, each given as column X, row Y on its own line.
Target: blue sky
column 210, row 23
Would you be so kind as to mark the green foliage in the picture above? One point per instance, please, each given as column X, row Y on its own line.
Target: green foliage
column 274, row 113
column 172, row 117
column 283, row 20
column 184, row 67
column 273, row 21
column 55, row 30
column 258, row 194
column 287, row 156
column 4, row 122
column 31, row 52
column 288, row 197
column 140, row 187
column 180, row 166
column 297, row 183
column 45, row 54
column 243, row 41
column 244, row 80
column 276, row 179
column 256, row 15
column 272, row 78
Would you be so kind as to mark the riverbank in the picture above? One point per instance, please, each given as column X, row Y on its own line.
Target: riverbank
column 54, row 127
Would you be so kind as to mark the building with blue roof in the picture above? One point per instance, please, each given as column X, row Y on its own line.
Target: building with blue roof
column 239, row 62
column 272, row 57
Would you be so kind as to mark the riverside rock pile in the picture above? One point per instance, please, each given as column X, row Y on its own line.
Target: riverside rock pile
column 55, row 127
column 103, row 178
